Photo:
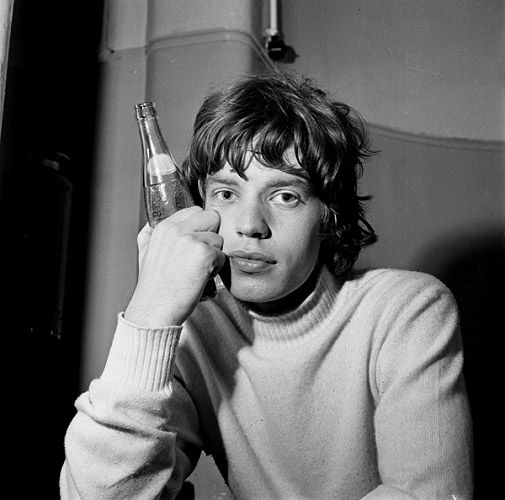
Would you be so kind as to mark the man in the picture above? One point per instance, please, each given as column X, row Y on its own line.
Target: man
column 303, row 378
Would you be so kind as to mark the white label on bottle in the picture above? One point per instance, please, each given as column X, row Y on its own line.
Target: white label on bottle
column 161, row 164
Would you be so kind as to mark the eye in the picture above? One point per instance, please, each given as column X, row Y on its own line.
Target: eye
column 223, row 195
column 286, row 198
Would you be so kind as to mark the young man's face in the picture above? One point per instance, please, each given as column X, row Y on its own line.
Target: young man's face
column 270, row 225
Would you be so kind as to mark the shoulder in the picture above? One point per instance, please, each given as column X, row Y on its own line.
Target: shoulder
column 396, row 278
column 402, row 306
column 399, row 288
column 412, row 311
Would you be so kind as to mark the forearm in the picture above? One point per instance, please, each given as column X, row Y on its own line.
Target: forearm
column 124, row 441
column 118, row 448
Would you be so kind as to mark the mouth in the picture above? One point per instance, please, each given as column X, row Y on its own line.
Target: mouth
column 250, row 262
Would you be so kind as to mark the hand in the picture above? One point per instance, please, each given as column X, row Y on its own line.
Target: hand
column 176, row 259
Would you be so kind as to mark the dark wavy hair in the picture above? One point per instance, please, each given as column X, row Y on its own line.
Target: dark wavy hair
column 267, row 114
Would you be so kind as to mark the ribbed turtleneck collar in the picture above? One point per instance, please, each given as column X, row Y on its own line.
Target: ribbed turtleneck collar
column 293, row 324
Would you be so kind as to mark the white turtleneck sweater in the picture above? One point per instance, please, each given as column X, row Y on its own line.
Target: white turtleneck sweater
column 358, row 393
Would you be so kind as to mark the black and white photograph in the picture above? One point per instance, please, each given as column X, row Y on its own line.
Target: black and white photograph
column 252, row 249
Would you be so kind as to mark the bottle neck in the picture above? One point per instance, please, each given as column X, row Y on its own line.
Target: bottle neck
column 152, row 139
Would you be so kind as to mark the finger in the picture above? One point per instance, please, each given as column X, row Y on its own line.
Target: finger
column 206, row 220
column 202, row 220
column 192, row 219
column 213, row 218
column 209, row 238
column 219, row 261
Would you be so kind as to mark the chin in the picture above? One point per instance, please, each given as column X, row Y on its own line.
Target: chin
column 254, row 296
column 259, row 292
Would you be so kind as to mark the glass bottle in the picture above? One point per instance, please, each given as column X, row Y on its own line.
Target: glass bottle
column 165, row 190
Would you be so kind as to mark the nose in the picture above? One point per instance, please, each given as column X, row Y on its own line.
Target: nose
column 251, row 220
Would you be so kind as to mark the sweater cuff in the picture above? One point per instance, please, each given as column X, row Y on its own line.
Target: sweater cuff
column 142, row 357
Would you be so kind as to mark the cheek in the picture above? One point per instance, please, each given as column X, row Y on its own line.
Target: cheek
column 302, row 246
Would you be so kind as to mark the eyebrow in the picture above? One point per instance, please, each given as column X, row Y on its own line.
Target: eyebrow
column 296, row 181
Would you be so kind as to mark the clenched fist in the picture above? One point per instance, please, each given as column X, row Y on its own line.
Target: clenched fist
column 176, row 259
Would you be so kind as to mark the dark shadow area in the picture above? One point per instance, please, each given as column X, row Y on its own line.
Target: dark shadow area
column 473, row 266
column 46, row 154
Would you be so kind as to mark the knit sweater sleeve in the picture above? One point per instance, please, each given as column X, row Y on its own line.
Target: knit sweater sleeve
column 422, row 419
column 136, row 432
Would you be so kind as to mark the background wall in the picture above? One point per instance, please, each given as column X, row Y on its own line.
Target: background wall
column 420, row 66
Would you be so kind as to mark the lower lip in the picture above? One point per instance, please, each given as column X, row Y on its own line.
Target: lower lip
column 249, row 265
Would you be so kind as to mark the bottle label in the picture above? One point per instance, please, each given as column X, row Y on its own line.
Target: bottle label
column 158, row 166
column 165, row 198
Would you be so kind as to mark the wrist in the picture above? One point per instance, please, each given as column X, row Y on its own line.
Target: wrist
column 150, row 315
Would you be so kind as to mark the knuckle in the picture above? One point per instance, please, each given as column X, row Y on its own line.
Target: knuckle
column 190, row 212
column 205, row 252
column 170, row 225
column 217, row 241
column 188, row 239
column 144, row 233
column 161, row 225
